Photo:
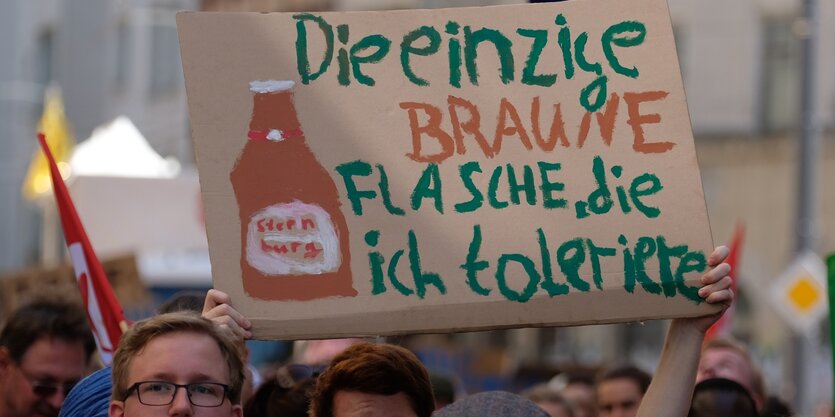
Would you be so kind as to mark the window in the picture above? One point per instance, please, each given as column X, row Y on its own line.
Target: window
column 781, row 76
column 44, row 59
column 165, row 70
column 122, row 74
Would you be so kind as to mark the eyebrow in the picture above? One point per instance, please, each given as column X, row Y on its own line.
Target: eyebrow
column 197, row 377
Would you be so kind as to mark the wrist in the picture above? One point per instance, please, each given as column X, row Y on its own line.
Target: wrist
column 688, row 328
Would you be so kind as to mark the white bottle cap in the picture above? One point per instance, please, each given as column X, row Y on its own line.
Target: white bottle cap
column 270, row 86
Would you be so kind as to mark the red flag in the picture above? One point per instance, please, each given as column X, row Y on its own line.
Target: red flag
column 723, row 326
column 103, row 309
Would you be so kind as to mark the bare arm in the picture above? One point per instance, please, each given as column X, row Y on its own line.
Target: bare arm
column 671, row 390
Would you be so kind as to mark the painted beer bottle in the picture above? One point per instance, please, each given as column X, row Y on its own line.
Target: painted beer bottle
column 294, row 238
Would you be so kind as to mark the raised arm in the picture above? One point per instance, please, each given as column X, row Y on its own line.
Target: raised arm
column 671, row 390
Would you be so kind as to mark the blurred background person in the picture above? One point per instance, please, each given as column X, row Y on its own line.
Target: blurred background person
column 579, row 390
column 443, row 388
column 620, row 391
column 45, row 349
column 725, row 358
column 285, row 393
column 550, row 400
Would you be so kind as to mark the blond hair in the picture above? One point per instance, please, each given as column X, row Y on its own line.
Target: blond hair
column 135, row 339
column 757, row 383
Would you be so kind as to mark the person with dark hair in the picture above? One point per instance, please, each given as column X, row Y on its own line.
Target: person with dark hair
column 177, row 364
column 184, row 301
column 578, row 389
column 620, row 390
column 286, row 393
column 720, row 397
column 373, row 380
column 443, row 389
column 45, row 349
column 776, row 407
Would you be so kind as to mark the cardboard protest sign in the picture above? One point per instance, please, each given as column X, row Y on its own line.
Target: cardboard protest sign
column 376, row 173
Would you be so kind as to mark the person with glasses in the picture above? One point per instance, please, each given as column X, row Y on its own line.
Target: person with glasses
column 177, row 364
column 45, row 349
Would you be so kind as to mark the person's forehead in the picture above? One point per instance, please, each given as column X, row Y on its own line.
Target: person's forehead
column 55, row 358
column 726, row 354
column 579, row 389
column 361, row 404
column 621, row 386
column 180, row 354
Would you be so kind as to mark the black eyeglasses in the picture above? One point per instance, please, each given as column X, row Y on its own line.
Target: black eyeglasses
column 201, row 394
column 46, row 389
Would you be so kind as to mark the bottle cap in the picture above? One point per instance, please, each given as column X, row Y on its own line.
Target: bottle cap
column 270, row 86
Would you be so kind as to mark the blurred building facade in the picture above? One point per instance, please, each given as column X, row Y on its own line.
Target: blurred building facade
column 740, row 62
column 110, row 58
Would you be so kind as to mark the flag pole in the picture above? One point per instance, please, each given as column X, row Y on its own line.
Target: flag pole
column 830, row 267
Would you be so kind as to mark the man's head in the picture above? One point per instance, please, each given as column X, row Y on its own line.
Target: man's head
column 45, row 347
column 374, row 380
column 620, row 391
column 177, row 364
column 578, row 389
column 724, row 358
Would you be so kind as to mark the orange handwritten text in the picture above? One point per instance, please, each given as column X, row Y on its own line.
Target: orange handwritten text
column 434, row 139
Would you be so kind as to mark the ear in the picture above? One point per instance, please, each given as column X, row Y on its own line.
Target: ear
column 117, row 409
column 5, row 360
column 237, row 411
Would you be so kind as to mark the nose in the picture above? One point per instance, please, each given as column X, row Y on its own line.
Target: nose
column 707, row 372
column 57, row 399
column 181, row 406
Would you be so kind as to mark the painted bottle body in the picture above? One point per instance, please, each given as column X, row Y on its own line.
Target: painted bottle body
column 294, row 238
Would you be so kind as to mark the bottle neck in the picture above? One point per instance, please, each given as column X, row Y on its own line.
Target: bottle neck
column 274, row 117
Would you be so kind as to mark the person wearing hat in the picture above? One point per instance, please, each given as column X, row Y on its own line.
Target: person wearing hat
column 494, row 404
column 722, row 397
column 90, row 397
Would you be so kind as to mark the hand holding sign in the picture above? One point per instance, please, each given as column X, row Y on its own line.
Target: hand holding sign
column 671, row 389
column 218, row 308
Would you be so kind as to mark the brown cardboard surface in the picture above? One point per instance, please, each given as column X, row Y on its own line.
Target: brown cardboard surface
column 411, row 150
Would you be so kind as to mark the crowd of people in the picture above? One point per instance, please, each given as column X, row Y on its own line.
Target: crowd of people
column 191, row 360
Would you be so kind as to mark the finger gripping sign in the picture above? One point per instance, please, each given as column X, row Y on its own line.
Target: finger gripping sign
column 374, row 173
